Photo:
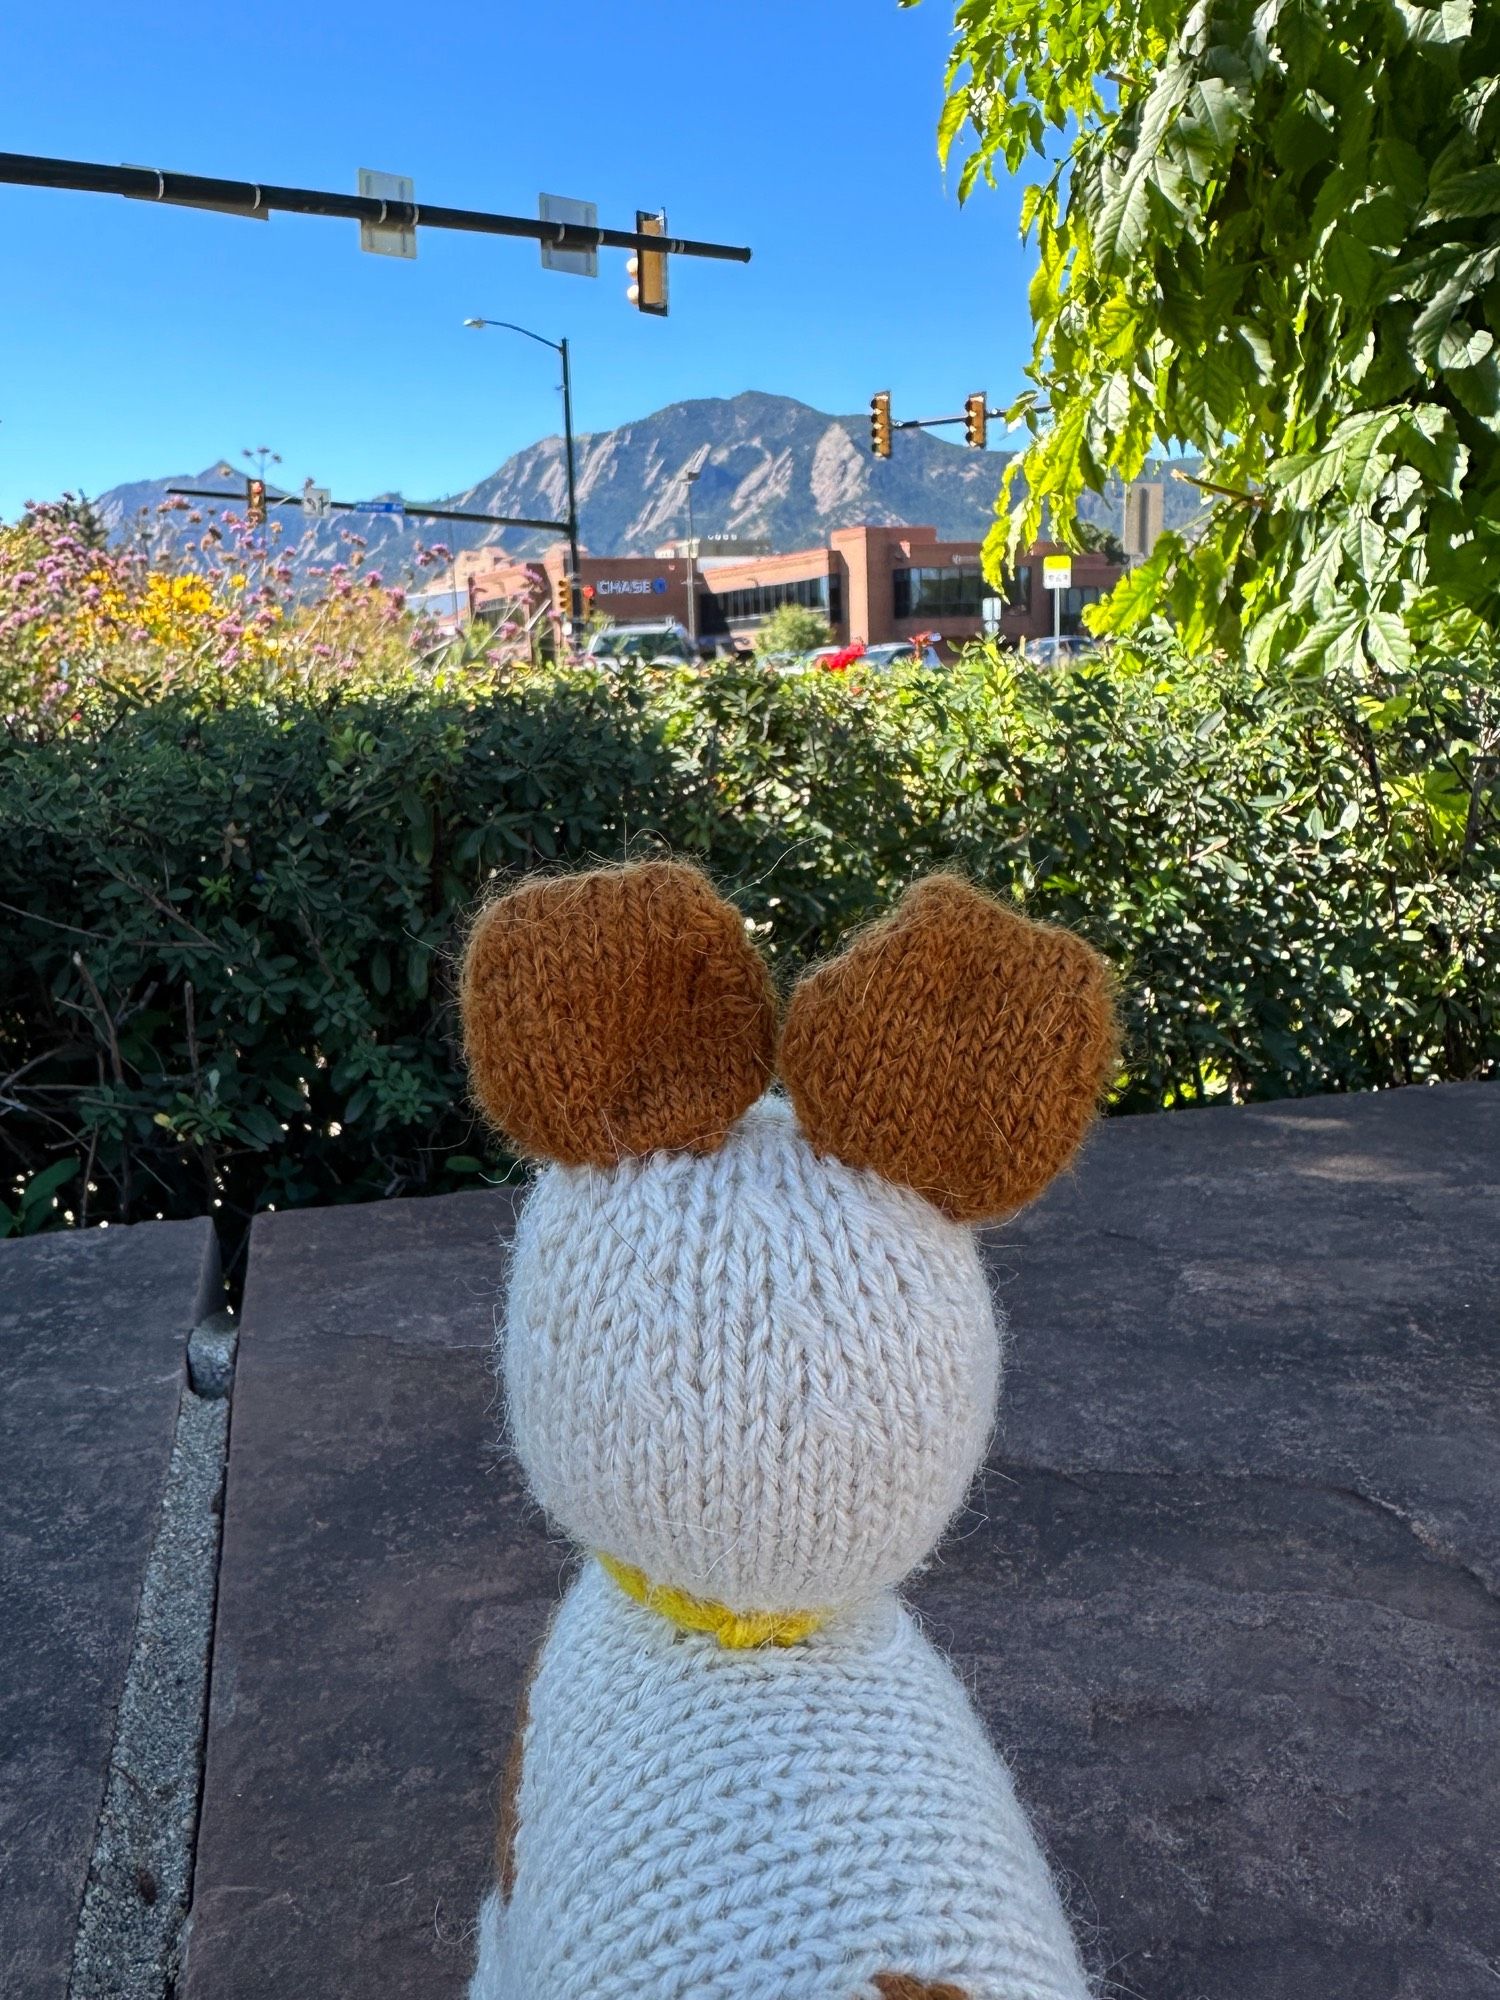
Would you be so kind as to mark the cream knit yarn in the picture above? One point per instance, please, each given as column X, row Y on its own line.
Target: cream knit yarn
column 761, row 1377
column 767, row 1379
column 697, row 1824
column 751, row 1364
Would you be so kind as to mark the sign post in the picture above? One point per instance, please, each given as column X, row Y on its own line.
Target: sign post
column 1057, row 576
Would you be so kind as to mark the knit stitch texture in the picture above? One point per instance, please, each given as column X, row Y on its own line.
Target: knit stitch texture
column 760, row 1377
column 696, row 1824
column 751, row 1363
column 614, row 1012
column 956, row 1046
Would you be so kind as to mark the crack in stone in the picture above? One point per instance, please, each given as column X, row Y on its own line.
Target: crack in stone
column 132, row 1926
column 1437, row 1550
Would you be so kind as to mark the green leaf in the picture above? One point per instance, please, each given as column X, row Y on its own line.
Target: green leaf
column 1463, row 276
column 1388, row 643
column 1350, row 268
column 1437, row 27
column 1463, row 346
column 1474, row 191
column 39, row 1192
column 1138, row 594
column 955, row 110
column 1124, row 220
column 260, row 1126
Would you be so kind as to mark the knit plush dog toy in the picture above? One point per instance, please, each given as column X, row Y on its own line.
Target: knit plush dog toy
column 751, row 1364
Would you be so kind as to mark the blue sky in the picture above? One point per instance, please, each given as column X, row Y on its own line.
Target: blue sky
column 137, row 340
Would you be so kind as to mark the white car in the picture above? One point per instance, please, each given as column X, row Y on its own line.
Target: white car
column 1059, row 652
column 667, row 643
column 901, row 653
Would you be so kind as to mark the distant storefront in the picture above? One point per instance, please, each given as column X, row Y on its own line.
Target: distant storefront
column 874, row 584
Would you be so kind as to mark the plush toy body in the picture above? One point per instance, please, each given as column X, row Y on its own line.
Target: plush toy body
column 751, row 1364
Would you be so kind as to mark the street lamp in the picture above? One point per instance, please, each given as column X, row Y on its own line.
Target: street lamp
column 558, row 347
column 689, row 477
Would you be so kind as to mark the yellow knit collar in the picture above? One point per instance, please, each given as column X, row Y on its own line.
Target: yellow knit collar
column 736, row 1629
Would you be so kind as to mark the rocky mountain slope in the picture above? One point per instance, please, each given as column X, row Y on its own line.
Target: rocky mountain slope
column 775, row 468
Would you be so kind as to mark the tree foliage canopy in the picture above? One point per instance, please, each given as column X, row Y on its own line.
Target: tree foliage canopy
column 1269, row 233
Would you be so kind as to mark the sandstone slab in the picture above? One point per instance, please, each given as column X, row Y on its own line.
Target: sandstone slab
column 1226, row 1592
column 93, row 1336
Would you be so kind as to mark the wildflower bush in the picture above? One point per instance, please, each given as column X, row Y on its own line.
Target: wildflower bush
column 230, row 919
column 194, row 601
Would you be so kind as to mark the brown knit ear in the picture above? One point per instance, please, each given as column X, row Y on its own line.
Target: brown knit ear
column 613, row 1013
column 955, row 1047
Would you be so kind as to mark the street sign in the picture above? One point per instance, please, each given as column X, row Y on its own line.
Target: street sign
column 316, row 500
column 582, row 215
column 386, row 239
column 378, row 507
column 1057, row 572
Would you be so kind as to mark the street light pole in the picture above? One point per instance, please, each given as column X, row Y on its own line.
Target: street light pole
column 575, row 591
column 575, row 580
column 692, row 576
column 689, row 477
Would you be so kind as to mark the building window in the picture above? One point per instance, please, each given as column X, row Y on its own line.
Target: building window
column 756, row 601
column 938, row 593
column 1073, row 602
column 1018, row 588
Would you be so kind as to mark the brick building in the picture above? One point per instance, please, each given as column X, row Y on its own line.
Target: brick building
column 871, row 584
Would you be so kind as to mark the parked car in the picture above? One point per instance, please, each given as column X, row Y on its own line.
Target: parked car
column 1051, row 652
column 901, row 653
column 877, row 659
column 665, row 643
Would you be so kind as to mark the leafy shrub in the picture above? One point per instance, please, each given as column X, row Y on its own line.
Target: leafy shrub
column 226, row 961
column 792, row 628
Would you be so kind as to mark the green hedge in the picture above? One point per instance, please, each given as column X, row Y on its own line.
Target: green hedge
column 228, row 935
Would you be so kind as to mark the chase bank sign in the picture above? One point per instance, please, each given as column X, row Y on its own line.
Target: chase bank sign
column 631, row 586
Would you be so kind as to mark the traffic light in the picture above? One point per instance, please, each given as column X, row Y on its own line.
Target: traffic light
column 647, row 269
column 563, row 597
column 880, row 424
column 255, row 502
column 976, row 419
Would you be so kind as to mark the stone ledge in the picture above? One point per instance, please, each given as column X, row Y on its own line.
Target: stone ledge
column 93, row 1338
column 1225, row 1592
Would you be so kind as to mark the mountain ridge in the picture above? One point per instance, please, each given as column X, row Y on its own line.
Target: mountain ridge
column 777, row 468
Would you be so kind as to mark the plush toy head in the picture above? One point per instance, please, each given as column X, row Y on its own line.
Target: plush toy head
column 750, row 1349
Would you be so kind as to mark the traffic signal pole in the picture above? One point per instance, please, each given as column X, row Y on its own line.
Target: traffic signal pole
column 257, row 199
column 367, row 507
column 975, row 420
